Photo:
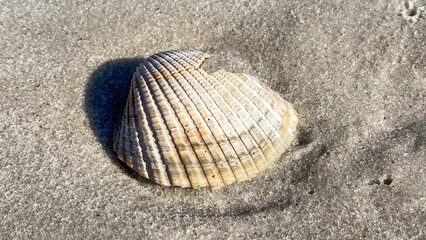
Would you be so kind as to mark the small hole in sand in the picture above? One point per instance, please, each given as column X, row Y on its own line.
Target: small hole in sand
column 413, row 12
column 388, row 181
column 311, row 191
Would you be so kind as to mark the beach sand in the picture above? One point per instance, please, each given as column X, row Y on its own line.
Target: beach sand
column 355, row 72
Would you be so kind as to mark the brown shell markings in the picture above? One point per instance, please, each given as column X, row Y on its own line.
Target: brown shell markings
column 184, row 127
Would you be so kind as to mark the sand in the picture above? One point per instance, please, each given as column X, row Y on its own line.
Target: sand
column 355, row 71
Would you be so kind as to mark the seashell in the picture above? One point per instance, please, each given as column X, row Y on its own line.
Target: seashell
column 185, row 127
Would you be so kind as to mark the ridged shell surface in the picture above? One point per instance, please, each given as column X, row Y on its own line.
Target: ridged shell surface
column 184, row 127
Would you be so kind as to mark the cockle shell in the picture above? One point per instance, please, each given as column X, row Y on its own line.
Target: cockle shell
column 185, row 127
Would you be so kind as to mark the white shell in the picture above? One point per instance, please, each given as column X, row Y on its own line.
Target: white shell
column 184, row 127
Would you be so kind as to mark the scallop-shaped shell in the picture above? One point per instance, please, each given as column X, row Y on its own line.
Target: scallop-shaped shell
column 185, row 127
